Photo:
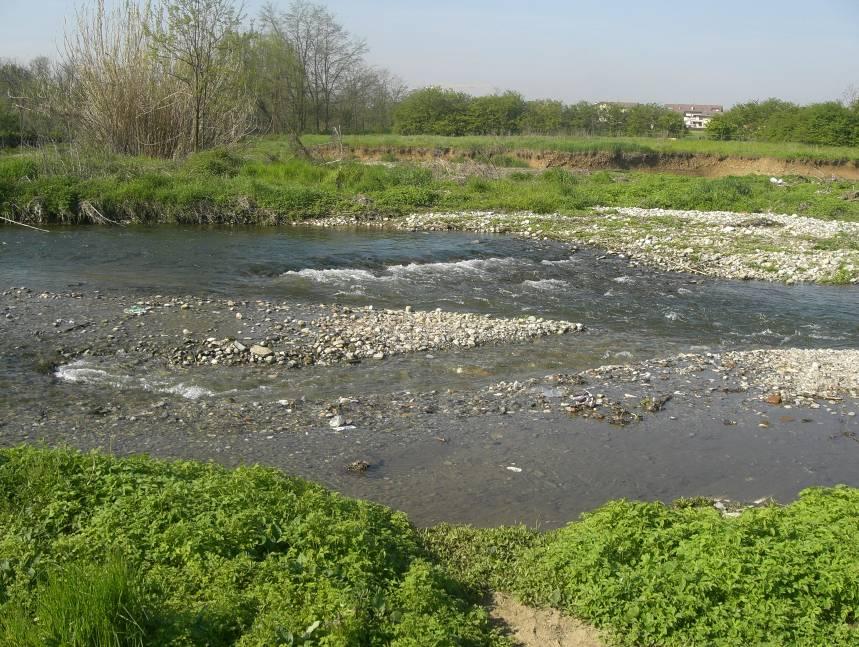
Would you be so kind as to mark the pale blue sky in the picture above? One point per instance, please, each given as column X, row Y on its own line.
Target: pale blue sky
column 705, row 51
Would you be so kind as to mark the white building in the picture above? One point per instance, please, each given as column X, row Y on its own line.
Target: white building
column 696, row 116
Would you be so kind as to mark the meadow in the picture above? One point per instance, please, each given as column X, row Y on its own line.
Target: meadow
column 690, row 144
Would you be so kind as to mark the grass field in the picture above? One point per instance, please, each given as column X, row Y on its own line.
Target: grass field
column 696, row 145
column 262, row 183
column 97, row 552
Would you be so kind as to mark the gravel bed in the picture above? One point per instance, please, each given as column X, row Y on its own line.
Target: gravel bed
column 189, row 331
column 769, row 247
column 791, row 376
column 799, row 374
column 354, row 334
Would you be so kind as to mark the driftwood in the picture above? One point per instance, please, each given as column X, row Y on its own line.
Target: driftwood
column 298, row 147
column 89, row 209
column 21, row 224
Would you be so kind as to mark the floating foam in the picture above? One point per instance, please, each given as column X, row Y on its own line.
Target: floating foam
column 546, row 284
column 334, row 275
column 471, row 266
column 83, row 372
column 191, row 392
column 474, row 267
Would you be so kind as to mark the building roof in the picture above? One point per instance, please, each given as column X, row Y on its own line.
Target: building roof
column 622, row 104
column 706, row 109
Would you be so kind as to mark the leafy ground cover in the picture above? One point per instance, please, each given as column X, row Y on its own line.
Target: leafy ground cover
column 102, row 551
column 97, row 552
column 261, row 183
column 652, row 574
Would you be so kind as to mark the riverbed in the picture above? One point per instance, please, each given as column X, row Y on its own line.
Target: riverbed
column 88, row 359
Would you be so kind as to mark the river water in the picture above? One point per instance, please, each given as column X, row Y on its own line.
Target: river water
column 631, row 313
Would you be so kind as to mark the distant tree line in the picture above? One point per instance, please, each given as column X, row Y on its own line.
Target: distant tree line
column 439, row 111
column 831, row 124
column 168, row 77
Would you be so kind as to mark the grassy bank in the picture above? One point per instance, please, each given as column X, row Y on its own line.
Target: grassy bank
column 261, row 183
column 101, row 551
column 687, row 145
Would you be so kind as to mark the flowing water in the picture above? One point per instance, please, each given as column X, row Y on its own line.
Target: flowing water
column 631, row 313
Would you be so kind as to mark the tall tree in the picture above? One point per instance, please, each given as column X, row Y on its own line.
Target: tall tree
column 197, row 35
column 335, row 54
column 433, row 111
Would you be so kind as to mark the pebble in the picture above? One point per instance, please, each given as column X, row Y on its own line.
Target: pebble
column 346, row 334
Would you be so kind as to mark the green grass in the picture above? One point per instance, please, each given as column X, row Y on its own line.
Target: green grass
column 98, row 552
column 81, row 604
column 260, row 183
column 841, row 241
column 482, row 145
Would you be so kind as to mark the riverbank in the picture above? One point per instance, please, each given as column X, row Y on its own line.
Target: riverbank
column 799, row 230
column 263, row 184
column 290, row 560
column 695, row 158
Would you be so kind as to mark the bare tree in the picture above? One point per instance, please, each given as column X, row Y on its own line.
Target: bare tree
column 198, row 38
column 851, row 96
column 335, row 54
column 284, row 73
column 323, row 49
column 366, row 100
column 118, row 94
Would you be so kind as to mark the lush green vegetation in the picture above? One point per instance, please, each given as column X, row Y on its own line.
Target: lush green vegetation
column 262, row 183
column 97, row 551
column 684, row 574
column 613, row 145
column 828, row 124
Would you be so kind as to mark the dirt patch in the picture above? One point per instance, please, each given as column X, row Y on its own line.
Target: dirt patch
column 531, row 627
column 693, row 164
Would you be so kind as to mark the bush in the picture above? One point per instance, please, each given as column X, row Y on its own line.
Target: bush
column 402, row 199
column 219, row 162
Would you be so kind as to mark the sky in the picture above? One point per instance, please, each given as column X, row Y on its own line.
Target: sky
column 663, row 51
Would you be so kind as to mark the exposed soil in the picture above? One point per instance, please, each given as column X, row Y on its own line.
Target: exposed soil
column 530, row 627
column 695, row 164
